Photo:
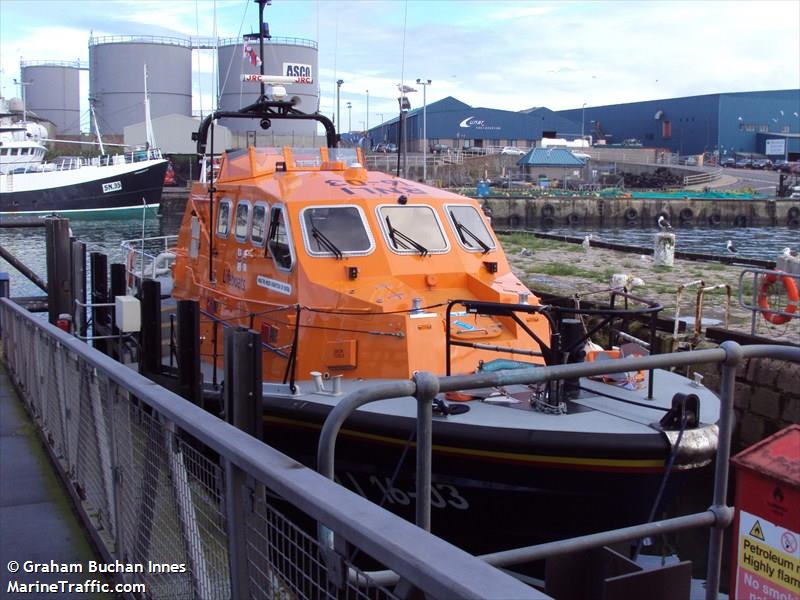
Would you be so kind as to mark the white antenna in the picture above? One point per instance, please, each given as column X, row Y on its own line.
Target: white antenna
column 148, row 125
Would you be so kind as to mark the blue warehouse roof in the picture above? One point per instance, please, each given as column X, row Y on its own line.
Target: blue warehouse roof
column 550, row 157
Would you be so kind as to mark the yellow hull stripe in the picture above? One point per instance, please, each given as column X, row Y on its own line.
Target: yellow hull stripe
column 619, row 463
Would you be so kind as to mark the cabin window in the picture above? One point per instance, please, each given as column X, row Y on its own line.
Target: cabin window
column 242, row 221
column 224, row 218
column 335, row 231
column 412, row 229
column 279, row 243
column 258, row 230
column 469, row 228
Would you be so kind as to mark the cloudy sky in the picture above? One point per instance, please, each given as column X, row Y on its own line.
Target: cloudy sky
column 510, row 55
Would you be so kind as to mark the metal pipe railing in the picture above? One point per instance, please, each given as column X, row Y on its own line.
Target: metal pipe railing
column 717, row 517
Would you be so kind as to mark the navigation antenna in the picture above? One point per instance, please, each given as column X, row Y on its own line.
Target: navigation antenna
column 263, row 31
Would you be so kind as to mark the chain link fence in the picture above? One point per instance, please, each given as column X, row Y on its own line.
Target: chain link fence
column 206, row 510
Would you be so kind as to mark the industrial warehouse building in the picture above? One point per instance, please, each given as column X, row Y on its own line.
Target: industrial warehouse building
column 452, row 124
column 742, row 123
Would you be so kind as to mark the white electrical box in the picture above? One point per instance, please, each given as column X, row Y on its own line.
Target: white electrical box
column 128, row 314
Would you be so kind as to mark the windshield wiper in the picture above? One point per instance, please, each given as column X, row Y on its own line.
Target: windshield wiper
column 462, row 229
column 400, row 239
column 323, row 241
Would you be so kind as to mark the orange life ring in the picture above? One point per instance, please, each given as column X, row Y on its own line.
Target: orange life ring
column 791, row 293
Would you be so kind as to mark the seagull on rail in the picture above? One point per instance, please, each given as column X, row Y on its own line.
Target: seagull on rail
column 731, row 248
column 787, row 253
column 663, row 224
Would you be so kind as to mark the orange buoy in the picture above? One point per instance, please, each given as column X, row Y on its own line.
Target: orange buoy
column 791, row 293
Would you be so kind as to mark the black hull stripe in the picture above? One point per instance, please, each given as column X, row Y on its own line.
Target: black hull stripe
column 144, row 184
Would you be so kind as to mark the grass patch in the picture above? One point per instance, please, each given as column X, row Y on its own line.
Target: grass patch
column 523, row 240
column 714, row 267
column 565, row 270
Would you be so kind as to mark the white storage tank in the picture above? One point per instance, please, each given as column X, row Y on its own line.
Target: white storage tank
column 116, row 79
column 52, row 91
column 282, row 56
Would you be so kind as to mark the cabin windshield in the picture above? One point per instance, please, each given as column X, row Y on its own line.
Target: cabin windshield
column 335, row 231
column 412, row 229
column 469, row 227
column 307, row 157
column 348, row 156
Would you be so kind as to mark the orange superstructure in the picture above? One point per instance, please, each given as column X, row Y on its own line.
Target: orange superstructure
column 363, row 262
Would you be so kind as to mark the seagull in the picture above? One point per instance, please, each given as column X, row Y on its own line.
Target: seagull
column 731, row 248
column 663, row 224
column 787, row 253
column 587, row 242
column 524, row 252
column 635, row 282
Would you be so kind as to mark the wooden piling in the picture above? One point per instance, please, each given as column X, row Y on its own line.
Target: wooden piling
column 59, row 272
column 190, row 378
column 100, row 315
column 243, row 406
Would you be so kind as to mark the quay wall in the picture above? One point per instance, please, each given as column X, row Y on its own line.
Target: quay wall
column 767, row 398
column 553, row 211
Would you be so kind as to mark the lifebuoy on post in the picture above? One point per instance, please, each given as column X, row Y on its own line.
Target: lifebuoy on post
column 792, row 296
column 631, row 214
column 548, row 210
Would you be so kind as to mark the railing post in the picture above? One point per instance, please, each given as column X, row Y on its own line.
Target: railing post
column 733, row 352
column 243, row 409
column 427, row 388
column 79, row 286
column 150, row 359
column 190, row 379
column 99, row 269
column 59, row 280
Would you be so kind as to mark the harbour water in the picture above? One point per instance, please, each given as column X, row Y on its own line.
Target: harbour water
column 28, row 244
column 765, row 243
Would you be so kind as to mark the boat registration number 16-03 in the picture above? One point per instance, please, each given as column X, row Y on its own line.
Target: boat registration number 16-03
column 443, row 495
column 113, row 186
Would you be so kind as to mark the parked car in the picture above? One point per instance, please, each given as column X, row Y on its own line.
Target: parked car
column 744, row 163
column 512, row 151
column 689, row 161
column 379, row 147
column 761, row 163
column 781, row 165
column 391, row 148
column 439, row 148
column 727, row 162
column 473, row 150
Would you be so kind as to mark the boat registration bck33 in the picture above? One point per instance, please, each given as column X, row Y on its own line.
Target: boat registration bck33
column 113, row 186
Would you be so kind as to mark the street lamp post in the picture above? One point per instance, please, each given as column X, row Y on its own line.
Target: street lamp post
column 367, row 125
column 339, row 83
column 583, row 111
column 349, row 117
column 424, row 83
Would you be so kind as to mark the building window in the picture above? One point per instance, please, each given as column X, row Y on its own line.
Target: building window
column 763, row 128
column 749, row 127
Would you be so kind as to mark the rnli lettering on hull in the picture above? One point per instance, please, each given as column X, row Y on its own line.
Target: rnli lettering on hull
column 272, row 284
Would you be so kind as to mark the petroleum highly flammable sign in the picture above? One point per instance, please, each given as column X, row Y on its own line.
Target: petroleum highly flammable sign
column 769, row 560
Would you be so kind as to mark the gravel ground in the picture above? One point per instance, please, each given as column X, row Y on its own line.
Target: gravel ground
column 568, row 269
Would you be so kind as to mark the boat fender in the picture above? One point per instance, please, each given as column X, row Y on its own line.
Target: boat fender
column 548, row 222
column 793, row 222
column 740, row 221
column 442, row 408
column 548, row 210
column 792, row 295
column 686, row 215
column 572, row 219
column 514, row 221
column 631, row 214
column 714, row 218
column 794, row 212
